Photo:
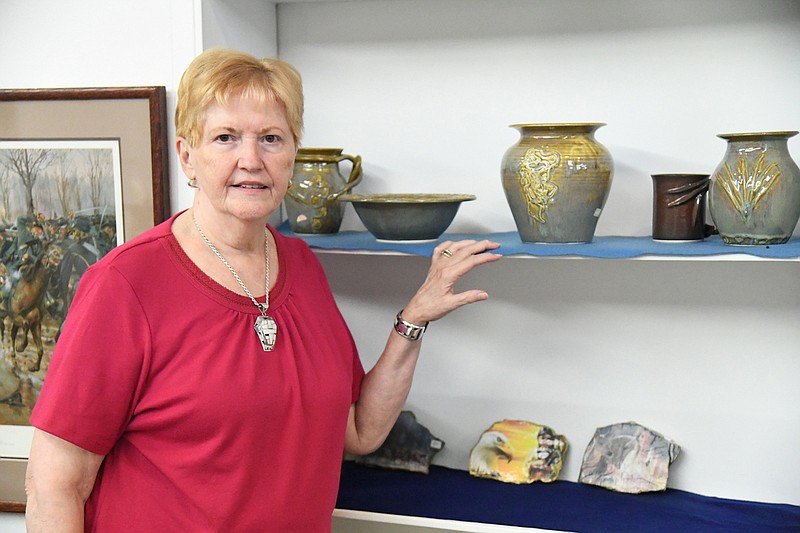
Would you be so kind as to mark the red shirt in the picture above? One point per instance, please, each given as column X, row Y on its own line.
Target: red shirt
column 159, row 369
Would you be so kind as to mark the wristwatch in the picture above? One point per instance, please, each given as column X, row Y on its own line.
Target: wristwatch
column 408, row 330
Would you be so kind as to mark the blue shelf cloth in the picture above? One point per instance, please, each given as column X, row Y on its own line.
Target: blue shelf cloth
column 511, row 244
column 450, row 494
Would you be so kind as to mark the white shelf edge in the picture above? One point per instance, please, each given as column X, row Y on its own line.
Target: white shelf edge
column 433, row 523
column 716, row 257
column 679, row 258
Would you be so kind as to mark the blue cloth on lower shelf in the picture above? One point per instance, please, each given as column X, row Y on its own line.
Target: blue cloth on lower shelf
column 562, row 505
column 511, row 244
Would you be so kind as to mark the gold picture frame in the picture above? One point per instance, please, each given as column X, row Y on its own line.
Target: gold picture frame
column 136, row 117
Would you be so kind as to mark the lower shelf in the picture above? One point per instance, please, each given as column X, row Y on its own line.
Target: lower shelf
column 454, row 495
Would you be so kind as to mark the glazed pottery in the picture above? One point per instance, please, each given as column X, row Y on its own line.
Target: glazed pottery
column 406, row 217
column 312, row 201
column 755, row 191
column 556, row 179
column 679, row 207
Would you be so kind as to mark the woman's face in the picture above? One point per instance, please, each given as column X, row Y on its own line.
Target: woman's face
column 244, row 159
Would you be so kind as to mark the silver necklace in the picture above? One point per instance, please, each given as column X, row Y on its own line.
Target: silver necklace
column 265, row 326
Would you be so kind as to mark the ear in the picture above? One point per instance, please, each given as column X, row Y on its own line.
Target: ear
column 184, row 155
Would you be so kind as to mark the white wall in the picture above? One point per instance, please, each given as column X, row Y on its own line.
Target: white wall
column 424, row 91
column 246, row 25
column 706, row 353
column 94, row 43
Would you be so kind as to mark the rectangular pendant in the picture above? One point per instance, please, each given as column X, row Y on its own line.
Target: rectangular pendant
column 267, row 331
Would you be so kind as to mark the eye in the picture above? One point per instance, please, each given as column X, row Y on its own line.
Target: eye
column 225, row 137
column 271, row 138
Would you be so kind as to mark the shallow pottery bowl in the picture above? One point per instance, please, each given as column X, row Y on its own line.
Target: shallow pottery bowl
column 406, row 217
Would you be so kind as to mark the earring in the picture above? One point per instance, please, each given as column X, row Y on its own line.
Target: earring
column 193, row 183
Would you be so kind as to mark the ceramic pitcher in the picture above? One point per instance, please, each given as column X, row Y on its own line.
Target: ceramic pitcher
column 312, row 201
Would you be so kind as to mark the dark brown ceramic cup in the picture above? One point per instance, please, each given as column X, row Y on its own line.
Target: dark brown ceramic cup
column 679, row 207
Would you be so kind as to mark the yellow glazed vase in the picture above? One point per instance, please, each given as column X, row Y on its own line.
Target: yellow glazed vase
column 754, row 196
column 556, row 179
column 312, row 201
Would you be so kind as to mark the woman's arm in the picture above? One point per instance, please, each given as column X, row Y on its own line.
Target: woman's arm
column 58, row 482
column 386, row 386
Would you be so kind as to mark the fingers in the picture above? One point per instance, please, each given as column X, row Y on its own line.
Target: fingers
column 460, row 257
column 451, row 260
column 461, row 249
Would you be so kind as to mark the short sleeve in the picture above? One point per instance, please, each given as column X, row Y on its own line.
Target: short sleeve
column 98, row 366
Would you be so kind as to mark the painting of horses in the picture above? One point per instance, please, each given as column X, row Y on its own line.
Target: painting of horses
column 60, row 212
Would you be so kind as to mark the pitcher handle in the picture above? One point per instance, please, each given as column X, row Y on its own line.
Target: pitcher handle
column 355, row 175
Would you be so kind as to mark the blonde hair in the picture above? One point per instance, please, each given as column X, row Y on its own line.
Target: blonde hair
column 218, row 74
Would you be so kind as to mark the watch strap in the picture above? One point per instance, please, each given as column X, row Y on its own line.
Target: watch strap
column 408, row 330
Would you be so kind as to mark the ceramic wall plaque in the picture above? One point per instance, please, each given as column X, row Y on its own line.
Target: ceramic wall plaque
column 410, row 446
column 517, row 451
column 628, row 457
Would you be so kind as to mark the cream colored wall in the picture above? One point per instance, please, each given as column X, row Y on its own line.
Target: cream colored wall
column 88, row 43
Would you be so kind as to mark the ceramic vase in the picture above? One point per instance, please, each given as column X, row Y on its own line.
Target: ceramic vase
column 556, row 179
column 754, row 196
column 312, row 201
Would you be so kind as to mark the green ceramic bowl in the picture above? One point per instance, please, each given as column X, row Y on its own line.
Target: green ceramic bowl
column 406, row 217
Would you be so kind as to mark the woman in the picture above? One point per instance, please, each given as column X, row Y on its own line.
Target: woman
column 205, row 379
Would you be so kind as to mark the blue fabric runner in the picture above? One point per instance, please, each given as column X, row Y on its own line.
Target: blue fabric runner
column 562, row 505
column 511, row 244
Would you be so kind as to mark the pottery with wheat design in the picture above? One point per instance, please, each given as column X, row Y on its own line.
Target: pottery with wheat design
column 754, row 196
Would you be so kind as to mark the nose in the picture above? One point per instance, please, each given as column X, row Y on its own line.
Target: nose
column 250, row 154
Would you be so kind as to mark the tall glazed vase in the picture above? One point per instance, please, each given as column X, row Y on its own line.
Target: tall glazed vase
column 754, row 196
column 556, row 179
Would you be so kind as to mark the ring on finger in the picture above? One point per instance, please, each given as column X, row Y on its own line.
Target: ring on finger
column 447, row 253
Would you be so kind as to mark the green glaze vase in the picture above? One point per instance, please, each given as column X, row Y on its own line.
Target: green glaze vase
column 556, row 179
column 312, row 201
column 754, row 196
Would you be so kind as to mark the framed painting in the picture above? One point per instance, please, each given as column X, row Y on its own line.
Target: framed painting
column 81, row 171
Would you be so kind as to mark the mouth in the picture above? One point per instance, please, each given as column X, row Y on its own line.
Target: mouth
column 252, row 186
